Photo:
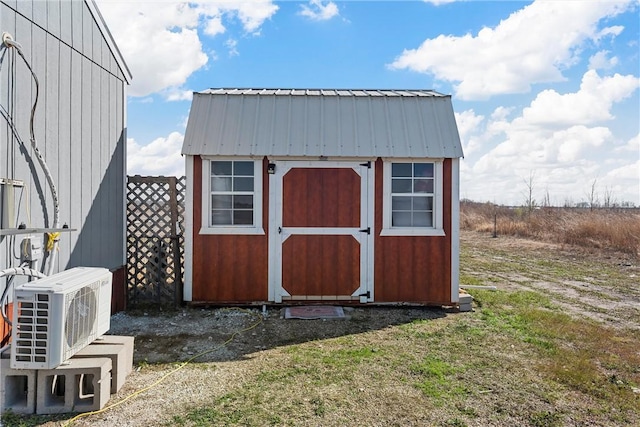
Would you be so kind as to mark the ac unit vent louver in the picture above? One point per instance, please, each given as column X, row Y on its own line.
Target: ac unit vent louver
column 58, row 316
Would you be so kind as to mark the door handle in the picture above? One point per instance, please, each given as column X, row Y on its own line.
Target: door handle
column 279, row 230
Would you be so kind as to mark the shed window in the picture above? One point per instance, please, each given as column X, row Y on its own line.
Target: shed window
column 413, row 198
column 232, row 192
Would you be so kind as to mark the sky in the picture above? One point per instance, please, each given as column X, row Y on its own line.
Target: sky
column 546, row 94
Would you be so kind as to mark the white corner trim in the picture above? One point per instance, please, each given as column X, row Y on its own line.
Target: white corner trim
column 187, row 293
column 455, row 230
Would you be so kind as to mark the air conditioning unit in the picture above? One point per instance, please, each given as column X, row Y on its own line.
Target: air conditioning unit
column 57, row 316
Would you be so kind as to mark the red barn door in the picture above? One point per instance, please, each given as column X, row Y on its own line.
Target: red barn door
column 321, row 232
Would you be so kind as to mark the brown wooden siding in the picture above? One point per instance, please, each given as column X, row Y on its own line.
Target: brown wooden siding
column 321, row 265
column 119, row 290
column 229, row 268
column 319, row 197
column 413, row 268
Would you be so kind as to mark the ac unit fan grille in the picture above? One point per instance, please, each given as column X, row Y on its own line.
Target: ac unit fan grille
column 33, row 330
column 82, row 312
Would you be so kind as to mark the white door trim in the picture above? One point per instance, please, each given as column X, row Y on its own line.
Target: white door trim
column 278, row 234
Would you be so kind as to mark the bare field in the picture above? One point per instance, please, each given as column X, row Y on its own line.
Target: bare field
column 554, row 345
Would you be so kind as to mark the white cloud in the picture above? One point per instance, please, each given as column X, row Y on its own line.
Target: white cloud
column 616, row 30
column 565, row 148
column 319, row 10
column 629, row 172
column 160, row 157
column 252, row 13
column 633, row 146
column 175, row 94
column 468, row 122
column 160, row 40
column 185, row 120
column 232, row 45
column 213, row 26
column 532, row 45
column 591, row 104
column 601, row 61
column 573, row 142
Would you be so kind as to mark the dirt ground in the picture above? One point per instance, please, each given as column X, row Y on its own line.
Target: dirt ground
column 599, row 284
column 177, row 336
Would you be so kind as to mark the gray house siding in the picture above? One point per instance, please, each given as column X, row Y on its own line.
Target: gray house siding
column 80, row 127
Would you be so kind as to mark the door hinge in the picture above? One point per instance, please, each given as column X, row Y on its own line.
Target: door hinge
column 367, row 164
column 366, row 230
column 366, row 294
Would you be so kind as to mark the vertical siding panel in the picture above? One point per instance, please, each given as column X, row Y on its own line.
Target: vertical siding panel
column 120, row 160
column 76, row 185
column 39, row 13
column 87, row 32
column 96, row 41
column 25, row 8
column 64, row 153
column 105, row 61
column 66, row 24
column 97, row 206
column 85, row 162
column 115, row 180
column 13, row 4
column 50, row 116
column 107, row 184
column 53, row 17
column 77, row 13
column 113, row 67
column 7, row 20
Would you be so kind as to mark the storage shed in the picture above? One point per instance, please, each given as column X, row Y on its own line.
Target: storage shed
column 332, row 196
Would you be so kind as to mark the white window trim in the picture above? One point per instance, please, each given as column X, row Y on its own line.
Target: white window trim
column 438, row 228
column 256, row 228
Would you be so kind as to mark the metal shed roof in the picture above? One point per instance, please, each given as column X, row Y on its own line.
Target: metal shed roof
column 322, row 122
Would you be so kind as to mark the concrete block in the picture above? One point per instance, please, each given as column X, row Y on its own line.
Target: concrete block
column 121, row 362
column 465, row 299
column 127, row 342
column 17, row 388
column 78, row 385
column 464, row 307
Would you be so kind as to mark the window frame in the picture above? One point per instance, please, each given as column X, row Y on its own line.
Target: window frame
column 437, row 229
column 206, row 226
